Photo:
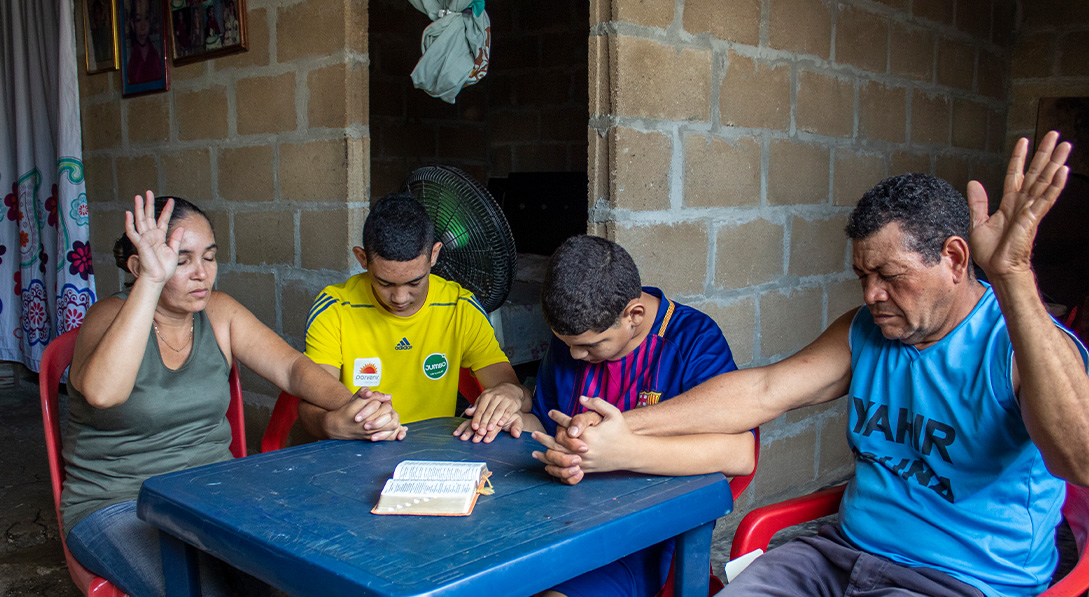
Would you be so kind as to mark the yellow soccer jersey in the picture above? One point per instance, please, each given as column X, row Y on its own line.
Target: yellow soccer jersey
column 414, row 359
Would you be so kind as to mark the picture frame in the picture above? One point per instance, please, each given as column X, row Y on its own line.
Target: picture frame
column 202, row 29
column 142, row 43
column 100, row 36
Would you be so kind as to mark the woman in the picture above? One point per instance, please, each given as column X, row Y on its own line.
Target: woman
column 148, row 387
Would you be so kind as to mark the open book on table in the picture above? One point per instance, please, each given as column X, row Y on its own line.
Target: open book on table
column 434, row 488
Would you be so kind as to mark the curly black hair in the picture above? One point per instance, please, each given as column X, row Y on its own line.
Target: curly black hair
column 928, row 209
column 398, row 229
column 588, row 283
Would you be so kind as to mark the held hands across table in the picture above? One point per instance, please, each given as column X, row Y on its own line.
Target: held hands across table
column 369, row 415
column 498, row 408
column 597, row 440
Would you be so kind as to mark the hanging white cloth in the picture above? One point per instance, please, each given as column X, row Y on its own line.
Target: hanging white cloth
column 46, row 277
column 456, row 47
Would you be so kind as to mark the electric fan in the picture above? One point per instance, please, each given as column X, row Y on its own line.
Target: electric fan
column 477, row 245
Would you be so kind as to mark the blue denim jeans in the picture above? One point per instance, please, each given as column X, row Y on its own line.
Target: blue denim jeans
column 116, row 545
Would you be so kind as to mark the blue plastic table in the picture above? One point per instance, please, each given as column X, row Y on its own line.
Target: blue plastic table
column 300, row 520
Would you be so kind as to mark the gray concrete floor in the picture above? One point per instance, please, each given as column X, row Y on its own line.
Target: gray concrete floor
column 31, row 560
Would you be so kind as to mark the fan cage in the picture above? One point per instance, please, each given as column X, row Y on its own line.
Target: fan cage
column 478, row 249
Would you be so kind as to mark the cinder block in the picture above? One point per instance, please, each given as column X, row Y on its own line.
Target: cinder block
column 314, row 171
column 755, row 94
column 882, row 112
column 136, row 175
column 188, row 174
column 969, row 124
column 640, row 178
column 257, row 43
column 670, row 256
column 720, row 173
column 107, row 274
column 417, row 140
column 649, row 13
column 973, row 18
column 101, row 125
column 939, row 11
column 929, row 119
column 786, row 463
column 265, row 237
column 310, row 29
column 736, row 21
column 106, row 228
column 256, row 292
column 598, row 168
column 956, row 169
column 748, row 254
column 602, row 65
column 842, row 297
column 649, row 79
column 98, row 177
column 826, row 104
column 338, row 96
column 789, row 321
column 221, row 228
column 266, row 104
column 912, row 52
column 297, row 297
column 802, row 26
column 1033, row 55
column 835, row 453
column 1003, row 21
column 996, row 132
column 991, row 75
column 325, row 240
column 854, row 174
column 817, row 246
column 245, row 173
column 862, row 38
column 738, row 323
column 201, row 114
column 1046, row 13
column 148, row 119
column 797, row 173
column 902, row 162
column 91, row 85
column 188, row 72
column 956, row 63
column 899, row 5
column 1074, row 54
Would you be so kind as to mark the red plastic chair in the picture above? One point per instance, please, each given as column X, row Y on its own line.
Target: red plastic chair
column 57, row 357
column 286, row 412
column 737, row 486
column 757, row 528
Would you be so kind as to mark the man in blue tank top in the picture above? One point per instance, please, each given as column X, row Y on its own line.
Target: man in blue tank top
column 969, row 405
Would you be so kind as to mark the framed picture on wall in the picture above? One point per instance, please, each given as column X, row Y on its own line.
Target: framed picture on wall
column 201, row 29
column 143, row 60
column 100, row 35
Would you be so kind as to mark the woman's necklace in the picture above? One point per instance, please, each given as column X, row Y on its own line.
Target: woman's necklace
column 160, row 335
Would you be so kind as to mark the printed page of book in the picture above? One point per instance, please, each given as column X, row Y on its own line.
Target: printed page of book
column 432, row 488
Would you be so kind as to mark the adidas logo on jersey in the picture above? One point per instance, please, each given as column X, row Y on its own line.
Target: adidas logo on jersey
column 403, row 344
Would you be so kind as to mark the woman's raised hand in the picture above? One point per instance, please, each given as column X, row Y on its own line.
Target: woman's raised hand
column 158, row 255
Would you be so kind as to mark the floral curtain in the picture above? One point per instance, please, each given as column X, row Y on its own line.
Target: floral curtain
column 46, row 278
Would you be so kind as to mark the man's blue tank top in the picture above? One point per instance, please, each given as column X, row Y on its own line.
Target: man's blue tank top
column 946, row 475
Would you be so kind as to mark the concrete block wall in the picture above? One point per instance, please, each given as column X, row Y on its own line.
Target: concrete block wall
column 527, row 115
column 1050, row 59
column 273, row 143
column 729, row 139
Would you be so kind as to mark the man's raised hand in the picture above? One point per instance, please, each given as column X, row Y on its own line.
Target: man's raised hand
column 1001, row 243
